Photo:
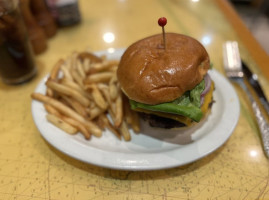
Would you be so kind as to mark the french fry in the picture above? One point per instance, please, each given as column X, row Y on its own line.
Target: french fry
column 110, row 127
column 76, row 106
column 71, row 84
column 100, row 123
column 103, row 66
column 68, row 112
column 127, row 110
column 54, row 75
column 105, row 91
column 102, row 86
column 135, row 122
column 86, row 65
column 113, row 89
column 130, row 116
column 98, row 77
column 118, row 111
column 66, row 72
column 77, row 87
column 114, row 79
column 50, row 109
column 56, row 69
column 78, row 125
column 80, row 69
column 82, row 91
column 68, row 91
column 61, row 124
column 87, row 55
column 97, row 96
column 112, row 115
column 67, row 63
column 49, row 92
column 103, row 57
column 94, row 112
column 125, row 131
column 113, row 69
column 76, row 77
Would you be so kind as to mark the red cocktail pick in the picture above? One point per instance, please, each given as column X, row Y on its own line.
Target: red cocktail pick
column 162, row 22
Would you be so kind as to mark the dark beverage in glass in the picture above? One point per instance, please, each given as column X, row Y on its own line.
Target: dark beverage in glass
column 16, row 57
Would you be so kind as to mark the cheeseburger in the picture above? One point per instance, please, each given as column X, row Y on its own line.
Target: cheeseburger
column 170, row 84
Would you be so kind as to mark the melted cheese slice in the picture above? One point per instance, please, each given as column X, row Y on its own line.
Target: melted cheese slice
column 185, row 120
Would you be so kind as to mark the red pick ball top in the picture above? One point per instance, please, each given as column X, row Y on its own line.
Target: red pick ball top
column 162, row 21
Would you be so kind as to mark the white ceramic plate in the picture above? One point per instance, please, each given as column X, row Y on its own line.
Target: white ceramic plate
column 153, row 148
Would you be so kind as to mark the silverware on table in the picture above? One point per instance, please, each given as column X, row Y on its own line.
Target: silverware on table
column 253, row 80
column 233, row 68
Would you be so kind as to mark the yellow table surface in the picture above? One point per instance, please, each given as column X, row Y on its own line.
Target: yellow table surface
column 30, row 168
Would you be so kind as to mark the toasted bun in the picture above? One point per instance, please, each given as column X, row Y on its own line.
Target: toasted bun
column 150, row 74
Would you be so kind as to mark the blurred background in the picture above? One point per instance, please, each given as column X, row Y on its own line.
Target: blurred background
column 255, row 15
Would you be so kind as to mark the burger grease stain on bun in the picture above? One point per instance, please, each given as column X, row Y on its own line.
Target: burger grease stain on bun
column 150, row 74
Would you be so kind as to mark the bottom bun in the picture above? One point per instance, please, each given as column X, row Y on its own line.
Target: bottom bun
column 161, row 122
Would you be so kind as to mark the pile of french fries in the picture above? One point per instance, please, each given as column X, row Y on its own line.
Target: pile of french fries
column 84, row 96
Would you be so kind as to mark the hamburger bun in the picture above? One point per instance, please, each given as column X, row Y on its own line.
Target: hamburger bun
column 150, row 74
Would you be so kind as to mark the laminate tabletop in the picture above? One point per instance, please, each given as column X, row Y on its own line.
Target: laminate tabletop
column 32, row 168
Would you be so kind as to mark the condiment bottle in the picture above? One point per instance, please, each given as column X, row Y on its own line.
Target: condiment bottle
column 36, row 33
column 43, row 17
column 66, row 12
column 16, row 57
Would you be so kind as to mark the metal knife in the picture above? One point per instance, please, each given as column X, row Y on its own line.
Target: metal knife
column 253, row 80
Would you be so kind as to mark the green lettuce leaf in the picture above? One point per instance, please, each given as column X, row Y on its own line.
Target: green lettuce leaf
column 187, row 105
column 195, row 94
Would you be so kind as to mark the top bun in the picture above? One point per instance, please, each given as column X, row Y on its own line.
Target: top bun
column 150, row 74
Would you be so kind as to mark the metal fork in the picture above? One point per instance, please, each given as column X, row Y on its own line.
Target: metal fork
column 233, row 68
